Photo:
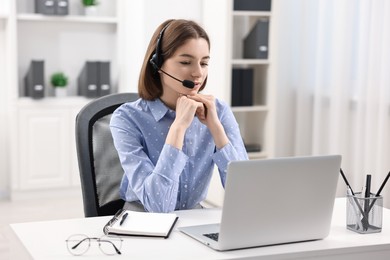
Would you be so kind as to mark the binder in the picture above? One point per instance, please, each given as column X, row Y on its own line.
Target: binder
column 247, row 87
column 52, row 7
column 252, row 5
column 34, row 80
column 104, row 80
column 45, row 7
column 242, row 87
column 62, row 7
column 256, row 42
column 236, row 83
column 252, row 147
column 88, row 80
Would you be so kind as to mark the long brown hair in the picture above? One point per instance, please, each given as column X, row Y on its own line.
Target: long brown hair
column 176, row 33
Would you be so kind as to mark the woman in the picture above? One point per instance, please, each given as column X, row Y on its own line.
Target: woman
column 169, row 140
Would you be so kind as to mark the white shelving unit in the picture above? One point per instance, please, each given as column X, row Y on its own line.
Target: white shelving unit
column 73, row 40
column 43, row 155
column 227, row 29
column 67, row 19
column 255, row 121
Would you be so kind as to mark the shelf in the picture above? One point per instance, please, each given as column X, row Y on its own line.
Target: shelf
column 257, row 155
column 252, row 13
column 66, row 18
column 53, row 101
column 250, row 109
column 250, row 62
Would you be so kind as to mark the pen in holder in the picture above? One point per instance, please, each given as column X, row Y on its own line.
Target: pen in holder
column 364, row 214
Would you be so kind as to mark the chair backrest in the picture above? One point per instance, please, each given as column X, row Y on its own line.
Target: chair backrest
column 99, row 165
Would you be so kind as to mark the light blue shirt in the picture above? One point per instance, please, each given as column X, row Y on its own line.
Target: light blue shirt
column 160, row 176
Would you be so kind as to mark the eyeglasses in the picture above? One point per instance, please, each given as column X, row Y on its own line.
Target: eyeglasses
column 78, row 244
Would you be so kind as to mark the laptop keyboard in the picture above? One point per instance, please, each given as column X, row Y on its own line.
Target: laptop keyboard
column 213, row 236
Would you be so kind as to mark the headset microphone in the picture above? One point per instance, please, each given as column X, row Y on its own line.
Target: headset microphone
column 157, row 61
column 186, row 83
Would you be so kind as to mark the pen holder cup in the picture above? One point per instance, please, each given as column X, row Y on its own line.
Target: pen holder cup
column 364, row 215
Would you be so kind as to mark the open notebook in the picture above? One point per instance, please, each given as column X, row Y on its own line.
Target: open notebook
column 134, row 223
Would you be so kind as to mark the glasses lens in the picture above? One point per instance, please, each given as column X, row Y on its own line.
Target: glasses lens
column 78, row 244
column 110, row 245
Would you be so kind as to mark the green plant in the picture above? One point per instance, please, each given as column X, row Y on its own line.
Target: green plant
column 89, row 2
column 59, row 80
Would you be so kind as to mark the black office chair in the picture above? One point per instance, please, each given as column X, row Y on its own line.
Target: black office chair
column 99, row 165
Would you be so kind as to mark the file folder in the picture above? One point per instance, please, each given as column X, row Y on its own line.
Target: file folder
column 52, row 7
column 256, row 43
column 236, row 82
column 34, row 80
column 45, row 7
column 242, row 87
column 104, row 81
column 252, row 5
column 88, row 80
column 62, row 7
column 247, row 87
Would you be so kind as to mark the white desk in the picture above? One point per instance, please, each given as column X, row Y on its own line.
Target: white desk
column 46, row 240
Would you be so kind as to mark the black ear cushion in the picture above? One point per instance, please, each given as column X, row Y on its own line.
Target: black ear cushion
column 154, row 62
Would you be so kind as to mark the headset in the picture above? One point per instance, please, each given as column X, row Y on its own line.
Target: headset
column 157, row 61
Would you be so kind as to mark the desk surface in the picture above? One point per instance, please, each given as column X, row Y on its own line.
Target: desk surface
column 46, row 240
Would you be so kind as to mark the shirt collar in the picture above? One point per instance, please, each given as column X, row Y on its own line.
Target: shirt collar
column 158, row 108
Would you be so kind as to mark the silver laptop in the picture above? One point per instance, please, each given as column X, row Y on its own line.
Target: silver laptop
column 273, row 201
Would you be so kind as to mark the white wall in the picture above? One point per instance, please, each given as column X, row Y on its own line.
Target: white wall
column 142, row 18
column 3, row 107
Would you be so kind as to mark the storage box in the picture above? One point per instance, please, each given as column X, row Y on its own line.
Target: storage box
column 34, row 81
column 52, row 7
column 62, row 7
column 256, row 42
column 47, row 7
column 252, row 5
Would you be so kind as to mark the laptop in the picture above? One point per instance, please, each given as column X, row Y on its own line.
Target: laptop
column 273, row 201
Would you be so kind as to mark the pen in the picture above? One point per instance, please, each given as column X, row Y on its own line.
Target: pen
column 378, row 193
column 123, row 219
column 354, row 204
column 346, row 182
column 349, row 190
column 383, row 185
column 368, row 186
column 367, row 193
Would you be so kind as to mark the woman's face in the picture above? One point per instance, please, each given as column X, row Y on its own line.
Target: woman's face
column 189, row 62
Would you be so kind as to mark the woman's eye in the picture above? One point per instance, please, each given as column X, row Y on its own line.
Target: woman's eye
column 203, row 64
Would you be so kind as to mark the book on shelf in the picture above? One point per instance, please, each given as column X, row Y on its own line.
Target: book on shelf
column 134, row 223
column 242, row 87
column 252, row 5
